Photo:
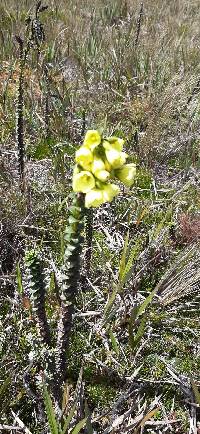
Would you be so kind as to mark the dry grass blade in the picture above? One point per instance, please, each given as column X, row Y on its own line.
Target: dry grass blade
column 139, row 21
column 189, row 390
column 195, row 391
column 11, row 428
column 20, row 423
column 183, row 278
column 126, row 423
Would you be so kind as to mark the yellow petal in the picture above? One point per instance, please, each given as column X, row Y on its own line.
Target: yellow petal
column 106, row 145
column 83, row 182
column 116, row 143
column 97, row 165
column 84, row 157
column 126, row 174
column 94, row 198
column 110, row 191
column 115, row 158
column 92, row 139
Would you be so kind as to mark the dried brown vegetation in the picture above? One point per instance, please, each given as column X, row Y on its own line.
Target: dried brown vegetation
column 189, row 228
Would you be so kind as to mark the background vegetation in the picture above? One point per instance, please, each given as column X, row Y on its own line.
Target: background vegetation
column 132, row 69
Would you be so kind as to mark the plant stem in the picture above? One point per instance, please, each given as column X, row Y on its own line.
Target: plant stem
column 89, row 236
column 69, row 276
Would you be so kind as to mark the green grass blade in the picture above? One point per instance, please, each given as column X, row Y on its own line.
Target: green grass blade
column 88, row 414
column 111, row 299
column 51, row 417
column 73, row 409
column 69, row 418
column 79, row 426
column 128, row 269
column 146, row 302
column 135, row 340
column 114, row 342
column 19, row 280
column 122, row 264
column 3, row 396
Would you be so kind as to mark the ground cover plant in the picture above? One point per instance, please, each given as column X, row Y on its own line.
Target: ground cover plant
column 99, row 245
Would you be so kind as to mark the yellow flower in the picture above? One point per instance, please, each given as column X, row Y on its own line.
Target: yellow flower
column 126, row 174
column 98, row 196
column 116, row 143
column 92, row 139
column 84, row 157
column 102, row 175
column 83, row 182
column 97, row 165
column 115, row 158
column 110, row 191
column 94, row 198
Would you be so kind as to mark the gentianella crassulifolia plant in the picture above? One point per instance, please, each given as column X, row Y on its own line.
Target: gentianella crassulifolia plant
column 99, row 162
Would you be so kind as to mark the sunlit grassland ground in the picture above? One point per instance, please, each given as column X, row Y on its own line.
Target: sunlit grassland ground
column 134, row 71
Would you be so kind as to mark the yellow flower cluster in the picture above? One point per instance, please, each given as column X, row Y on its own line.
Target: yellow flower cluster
column 98, row 161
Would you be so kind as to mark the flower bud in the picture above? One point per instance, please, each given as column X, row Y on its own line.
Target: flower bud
column 102, row 175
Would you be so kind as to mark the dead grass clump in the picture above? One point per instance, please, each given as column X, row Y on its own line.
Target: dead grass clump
column 189, row 228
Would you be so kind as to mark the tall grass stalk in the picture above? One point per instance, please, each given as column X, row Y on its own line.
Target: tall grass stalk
column 19, row 113
column 139, row 22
